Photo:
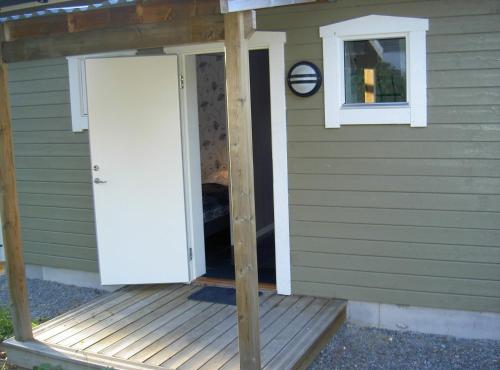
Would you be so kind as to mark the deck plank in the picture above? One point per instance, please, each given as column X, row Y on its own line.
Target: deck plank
column 197, row 345
column 93, row 316
column 275, row 329
column 165, row 313
column 169, row 351
column 280, row 341
column 29, row 355
column 231, row 349
column 169, row 337
column 96, row 303
column 93, row 334
column 207, row 352
column 129, row 346
column 223, row 329
column 102, row 317
column 297, row 347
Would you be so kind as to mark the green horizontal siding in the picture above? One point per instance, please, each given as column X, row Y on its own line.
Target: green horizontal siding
column 405, row 280
column 398, row 296
column 381, row 149
column 53, row 169
column 39, row 86
column 403, row 217
column 482, row 96
column 402, row 233
column 41, row 124
column 397, row 249
column 395, row 166
column 39, row 98
column 390, row 213
column 416, row 184
column 469, row 133
column 397, row 200
column 467, row 114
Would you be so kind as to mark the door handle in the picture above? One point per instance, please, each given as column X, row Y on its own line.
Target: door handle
column 97, row 180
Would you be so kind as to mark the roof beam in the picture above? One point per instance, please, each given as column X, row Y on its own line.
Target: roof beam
column 154, row 23
column 141, row 12
column 196, row 30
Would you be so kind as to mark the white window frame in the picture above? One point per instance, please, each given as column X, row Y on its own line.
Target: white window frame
column 78, row 87
column 414, row 111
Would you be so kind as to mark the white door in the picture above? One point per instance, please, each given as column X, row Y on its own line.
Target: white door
column 135, row 140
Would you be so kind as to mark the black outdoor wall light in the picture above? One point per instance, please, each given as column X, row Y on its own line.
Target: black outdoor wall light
column 304, row 79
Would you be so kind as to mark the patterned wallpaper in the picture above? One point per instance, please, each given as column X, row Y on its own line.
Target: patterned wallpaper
column 212, row 116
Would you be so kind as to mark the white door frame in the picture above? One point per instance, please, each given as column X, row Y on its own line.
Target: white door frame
column 274, row 42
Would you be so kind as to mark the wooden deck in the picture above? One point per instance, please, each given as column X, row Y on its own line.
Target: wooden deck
column 158, row 327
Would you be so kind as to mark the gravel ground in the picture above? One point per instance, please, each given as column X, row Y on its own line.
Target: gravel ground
column 49, row 299
column 354, row 347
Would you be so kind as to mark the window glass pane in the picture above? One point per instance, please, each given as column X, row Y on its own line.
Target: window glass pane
column 375, row 71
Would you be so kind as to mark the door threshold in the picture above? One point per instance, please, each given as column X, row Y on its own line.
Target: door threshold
column 211, row 281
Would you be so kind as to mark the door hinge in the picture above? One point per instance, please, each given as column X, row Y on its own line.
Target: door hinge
column 181, row 81
column 190, row 254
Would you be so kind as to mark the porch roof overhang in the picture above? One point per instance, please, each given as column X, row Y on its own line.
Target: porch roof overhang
column 132, row 26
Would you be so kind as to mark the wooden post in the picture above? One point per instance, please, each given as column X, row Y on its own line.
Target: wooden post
column 242, row 188
column 10, row 216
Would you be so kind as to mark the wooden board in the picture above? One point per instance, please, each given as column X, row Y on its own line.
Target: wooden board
column 11, row 223
column 145, row 24
column 142, row 12
column 195, row 29
column 239, row 128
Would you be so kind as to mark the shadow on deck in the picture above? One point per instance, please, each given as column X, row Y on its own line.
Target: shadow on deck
column 158, row 327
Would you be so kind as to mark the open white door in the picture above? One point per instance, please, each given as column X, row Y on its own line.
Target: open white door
column 135, row 139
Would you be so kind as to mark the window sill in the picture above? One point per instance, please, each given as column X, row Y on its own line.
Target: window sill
column 374, row 105
column 376, row 114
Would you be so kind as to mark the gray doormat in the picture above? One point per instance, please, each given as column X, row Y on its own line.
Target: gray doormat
column 215, row 294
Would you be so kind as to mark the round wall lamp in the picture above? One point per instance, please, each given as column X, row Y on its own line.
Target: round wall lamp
column 304, row 79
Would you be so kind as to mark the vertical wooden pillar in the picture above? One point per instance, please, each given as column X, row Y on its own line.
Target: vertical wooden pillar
column 242, row 189
column 10, row 216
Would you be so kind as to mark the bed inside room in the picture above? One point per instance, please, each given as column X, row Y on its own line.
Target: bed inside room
column 214, row 169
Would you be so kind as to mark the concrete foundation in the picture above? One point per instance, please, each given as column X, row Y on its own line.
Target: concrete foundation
column 462, row 324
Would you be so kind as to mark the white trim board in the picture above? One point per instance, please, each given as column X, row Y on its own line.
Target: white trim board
column 274, row 42
column 461, row 324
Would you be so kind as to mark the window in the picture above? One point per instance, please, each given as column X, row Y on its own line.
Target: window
column 78, row 94
column 375, row 71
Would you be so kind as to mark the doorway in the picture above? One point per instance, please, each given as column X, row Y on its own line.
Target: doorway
column 273, row 42
column 214, row 165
